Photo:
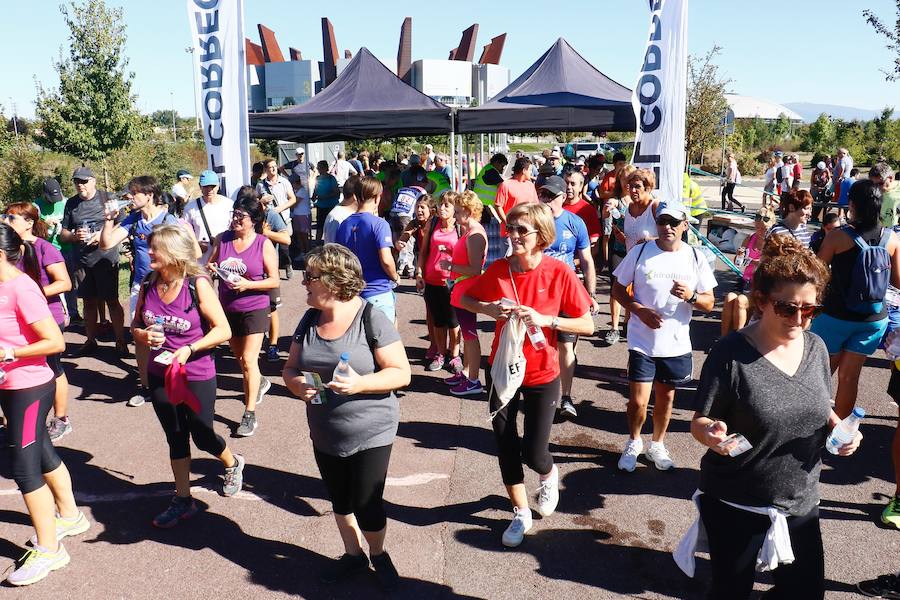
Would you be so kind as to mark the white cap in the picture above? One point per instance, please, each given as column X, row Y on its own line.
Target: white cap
column 821, row 165
column 675, row 210
column 555, row 154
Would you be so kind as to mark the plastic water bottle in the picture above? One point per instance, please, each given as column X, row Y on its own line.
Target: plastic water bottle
column 157, row 326
column 536, row 337
column 343, row 368
column 845, row 431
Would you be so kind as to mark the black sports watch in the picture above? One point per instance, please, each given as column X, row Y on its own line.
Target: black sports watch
column 693, row 298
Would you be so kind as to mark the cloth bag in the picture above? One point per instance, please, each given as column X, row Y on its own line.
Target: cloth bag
column 508, row 370
column 177, row 389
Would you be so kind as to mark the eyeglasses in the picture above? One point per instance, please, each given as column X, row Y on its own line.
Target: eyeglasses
column 10, row 217
column 667, row 221
column 635, row 186
column 79, row 181
column 238, row 215
column 520, row 230
column 788, row 310
column 307, row 279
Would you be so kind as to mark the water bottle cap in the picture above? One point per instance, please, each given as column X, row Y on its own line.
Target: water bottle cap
column 345, row 356
column 859, row 412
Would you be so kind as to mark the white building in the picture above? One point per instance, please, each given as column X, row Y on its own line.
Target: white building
column 747, row 107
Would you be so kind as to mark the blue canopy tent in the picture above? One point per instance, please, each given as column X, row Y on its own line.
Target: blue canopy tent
column 561, row 91
column 366, row 101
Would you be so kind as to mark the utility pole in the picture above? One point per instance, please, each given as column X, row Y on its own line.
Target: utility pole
column 190, row 50
column 172, row 100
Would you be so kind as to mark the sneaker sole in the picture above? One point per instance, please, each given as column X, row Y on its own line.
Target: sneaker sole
column 543, row 513
column 183, row 517
column 61, row 435
column 247, row 434
column 890, row 524
column 54, row 567
column 626, row 469
column 509, row 544
column 467, row 392
column 263, row 390
column 659, row 468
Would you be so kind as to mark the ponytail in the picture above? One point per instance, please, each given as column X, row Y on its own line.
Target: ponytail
column 30, row 263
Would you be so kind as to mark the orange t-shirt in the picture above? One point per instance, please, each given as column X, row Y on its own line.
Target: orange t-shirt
column 511, row 193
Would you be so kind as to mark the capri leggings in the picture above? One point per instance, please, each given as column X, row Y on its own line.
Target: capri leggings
column 356, row 484
column 33, row 454
column 180, row 423
column 538, row 405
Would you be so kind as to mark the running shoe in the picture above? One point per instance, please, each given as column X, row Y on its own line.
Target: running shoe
column 234, row 477
column 58, row 428
column 467, row 387
column 385, row 571
column 180, row 509
column 264, row 386
column 436, row 364
column 67, row 527
column 248, row 424
column 455, row 365
column 430, row 354
column 612, row 337
column 455, row 379
column 272, row 354
column 885, row 586
column 518, row 527
column 548, row 494
column 567, row 408
column 343, row 567
column 288, row 271
column 891, row 514
column 137, row 400
column 633, row 449
column 87, row 349
column 37, row 564
column 660, row 456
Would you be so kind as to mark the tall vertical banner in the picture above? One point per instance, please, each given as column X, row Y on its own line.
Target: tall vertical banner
column 660, row 96
column 217, row 31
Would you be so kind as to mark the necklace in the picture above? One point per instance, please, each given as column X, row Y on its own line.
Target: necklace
column 165, row 286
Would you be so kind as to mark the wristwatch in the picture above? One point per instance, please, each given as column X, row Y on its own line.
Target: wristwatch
column 554, row 324
column 693, row 298
column 9, row 355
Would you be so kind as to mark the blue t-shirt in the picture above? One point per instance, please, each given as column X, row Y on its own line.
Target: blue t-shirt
column 139, row 231
column 844, row 198
column 571, row 235
column 275, row 221
column 328, row 192
column 365, row 235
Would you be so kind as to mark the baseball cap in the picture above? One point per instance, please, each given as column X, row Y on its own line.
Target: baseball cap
column 579, row 161
column 555, row 185
column 555, row 154
column 414, row 159
column 779, row 153
column 299, row 150
column 675, row 210
column 83, row 173
column 52, row 191
column 821, row 165
column 184, row 173
column 208, row 177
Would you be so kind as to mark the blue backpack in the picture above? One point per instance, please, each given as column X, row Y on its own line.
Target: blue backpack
column 870, row 275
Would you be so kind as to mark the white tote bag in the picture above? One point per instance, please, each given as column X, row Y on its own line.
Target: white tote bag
column 508, row 370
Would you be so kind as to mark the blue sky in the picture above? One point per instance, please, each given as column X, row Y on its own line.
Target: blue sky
column 782, row 50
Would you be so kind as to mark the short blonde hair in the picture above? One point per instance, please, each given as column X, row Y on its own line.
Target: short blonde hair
column 176, row 244
column 647, row 177
column 538, row 215
column 470, row 201
column 339, row 270
column 622, row 179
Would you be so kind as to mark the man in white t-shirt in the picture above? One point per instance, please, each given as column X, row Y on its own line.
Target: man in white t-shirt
column 301, row 175
column 215, row 216
column 670, row 279
column 179, row 190
column 342, row 169
column 343, row 210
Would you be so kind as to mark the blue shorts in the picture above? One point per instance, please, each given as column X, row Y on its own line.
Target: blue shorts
column 849, row 336
column 386, row 303
column 669, row 370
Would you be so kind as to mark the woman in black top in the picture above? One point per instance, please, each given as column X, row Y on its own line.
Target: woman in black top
column 769, row 382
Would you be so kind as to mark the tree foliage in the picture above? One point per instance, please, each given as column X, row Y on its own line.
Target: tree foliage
column 706, row 103
column 892, row 36
column 92, row 113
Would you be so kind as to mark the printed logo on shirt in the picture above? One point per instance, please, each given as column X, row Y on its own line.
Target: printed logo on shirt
column 234, row 265
column 650, row 275
column 170, row 322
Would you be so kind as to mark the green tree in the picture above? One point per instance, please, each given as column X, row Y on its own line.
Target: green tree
column 819, row 136
column 706, row 104
column 93, row 112
column 892, row 36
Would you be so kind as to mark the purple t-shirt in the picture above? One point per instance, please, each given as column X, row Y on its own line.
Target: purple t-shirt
column 365, row 235
column 48, row 254
column 182, row 326
column 249, row 265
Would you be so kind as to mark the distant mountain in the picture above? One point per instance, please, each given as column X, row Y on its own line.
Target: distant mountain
column 810, row 111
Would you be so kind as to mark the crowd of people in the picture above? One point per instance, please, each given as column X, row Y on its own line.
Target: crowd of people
column 522, row 242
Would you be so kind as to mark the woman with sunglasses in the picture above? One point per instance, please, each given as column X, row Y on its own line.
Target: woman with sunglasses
column 54, row 280
column 541, row 288
column 769, row 382
column 852, row 332
column 28, row 335
column 247, row 264
column 736, row 309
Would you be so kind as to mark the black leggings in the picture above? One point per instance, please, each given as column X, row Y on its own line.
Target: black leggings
column 538, row 405
column 356, row 484
column 728, row 191
column 735, row 537
column 32, row 452
column 180, row 423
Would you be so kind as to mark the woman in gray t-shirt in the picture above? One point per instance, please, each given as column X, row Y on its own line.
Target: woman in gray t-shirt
column 771, row 383
column 352, row 420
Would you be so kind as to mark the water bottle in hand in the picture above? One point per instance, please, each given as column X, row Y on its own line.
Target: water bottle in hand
column 343, row 368
column 845, row 431
column 157, row 327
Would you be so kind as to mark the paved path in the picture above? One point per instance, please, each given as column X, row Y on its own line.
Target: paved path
column 610, row 538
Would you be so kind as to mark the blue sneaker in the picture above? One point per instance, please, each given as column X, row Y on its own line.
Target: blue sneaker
column 180, row 509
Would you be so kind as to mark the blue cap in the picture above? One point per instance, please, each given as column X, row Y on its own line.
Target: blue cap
column 208, row 177
column 345, row 356
column 859, row 412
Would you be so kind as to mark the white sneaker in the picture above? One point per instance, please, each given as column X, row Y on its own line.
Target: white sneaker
column 137, row 400
column 633, row 449
column 548, row 494
column 518, row 527
column 660, row 456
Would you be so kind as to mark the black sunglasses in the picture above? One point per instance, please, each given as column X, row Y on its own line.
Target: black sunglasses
column 520, row 230
column 788, row 309
column 79, row 181
column 307, row 279
column 667, row 220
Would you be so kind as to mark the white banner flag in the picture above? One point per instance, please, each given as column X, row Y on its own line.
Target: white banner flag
column 217, row 31
column 659, row 98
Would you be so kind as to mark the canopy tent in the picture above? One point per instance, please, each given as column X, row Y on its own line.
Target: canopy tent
column 366, row 100
column 561, row 91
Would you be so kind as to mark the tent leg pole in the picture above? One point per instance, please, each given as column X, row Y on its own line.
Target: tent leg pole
column 453, row 184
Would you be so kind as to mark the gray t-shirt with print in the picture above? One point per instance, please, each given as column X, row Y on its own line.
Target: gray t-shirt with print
column 345, row 425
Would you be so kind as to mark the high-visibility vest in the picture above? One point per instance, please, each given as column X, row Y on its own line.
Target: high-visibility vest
column 692, row 197
column 487, row 193
column 441, row 184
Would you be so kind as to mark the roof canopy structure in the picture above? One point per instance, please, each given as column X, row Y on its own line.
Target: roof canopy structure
column 561, row 91
column 747, row 107
column 365, row 101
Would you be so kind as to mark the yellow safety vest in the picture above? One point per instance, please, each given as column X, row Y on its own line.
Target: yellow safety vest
column 487, row 193
column 692, row 197
column 441, row 184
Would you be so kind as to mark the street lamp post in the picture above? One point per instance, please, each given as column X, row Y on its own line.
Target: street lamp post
column 190, row 50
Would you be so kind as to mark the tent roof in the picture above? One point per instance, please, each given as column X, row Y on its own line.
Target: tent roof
column 366, row 100
column 560, row 91
column 747, row 107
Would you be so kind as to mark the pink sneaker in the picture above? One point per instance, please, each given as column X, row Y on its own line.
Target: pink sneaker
column 455, row 365
column 466, row 387
column 430, row 354
column 455, row 379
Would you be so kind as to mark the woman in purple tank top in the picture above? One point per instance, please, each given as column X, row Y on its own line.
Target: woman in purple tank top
column 171, row 318
column 247, row 265
column 53, row 277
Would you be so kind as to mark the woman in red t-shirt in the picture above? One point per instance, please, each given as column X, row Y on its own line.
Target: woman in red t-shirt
column 542, row 288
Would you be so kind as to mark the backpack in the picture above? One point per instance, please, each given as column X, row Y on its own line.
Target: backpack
column 312, row 315
column 870, row 275
column 779, row 174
